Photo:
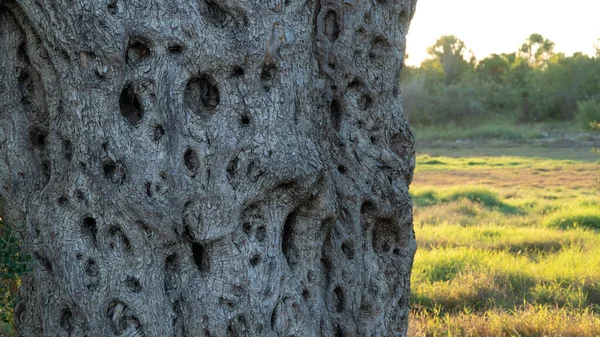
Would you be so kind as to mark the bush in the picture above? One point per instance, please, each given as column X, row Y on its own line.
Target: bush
column 440, row 105
column 575, row 218
column 589, row 112
column 12, row 264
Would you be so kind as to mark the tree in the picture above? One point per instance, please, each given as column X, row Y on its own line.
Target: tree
column 207, row 168
column 495, row 66
column 449, row 51
column 537, row 50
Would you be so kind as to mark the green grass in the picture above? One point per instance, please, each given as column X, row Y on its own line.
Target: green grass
column 439, row 163
column 507, row 246
column 479, row 195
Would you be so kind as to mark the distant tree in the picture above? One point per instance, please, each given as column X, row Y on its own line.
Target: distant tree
column 450, row 51
column 537, row 50
column 495, row 66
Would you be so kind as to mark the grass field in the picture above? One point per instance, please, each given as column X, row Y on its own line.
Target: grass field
column 508, row 243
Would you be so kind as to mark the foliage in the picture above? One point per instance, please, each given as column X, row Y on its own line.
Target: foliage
column 589, row 110
column 12, row 264
column 532, row 84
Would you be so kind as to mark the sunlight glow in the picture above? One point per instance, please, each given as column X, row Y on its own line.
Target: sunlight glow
column 502, row 26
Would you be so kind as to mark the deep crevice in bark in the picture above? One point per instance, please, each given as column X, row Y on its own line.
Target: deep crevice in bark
column 130, row 105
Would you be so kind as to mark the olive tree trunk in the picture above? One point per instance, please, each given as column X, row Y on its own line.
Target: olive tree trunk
column 208, row 167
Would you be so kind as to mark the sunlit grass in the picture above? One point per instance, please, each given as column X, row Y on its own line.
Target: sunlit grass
column 507, row 246
column 528, row 320
column 437, row 163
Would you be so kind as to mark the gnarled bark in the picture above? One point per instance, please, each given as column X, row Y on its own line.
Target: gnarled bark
column 208, row 167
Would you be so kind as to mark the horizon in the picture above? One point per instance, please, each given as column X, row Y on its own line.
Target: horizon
column 501, row 29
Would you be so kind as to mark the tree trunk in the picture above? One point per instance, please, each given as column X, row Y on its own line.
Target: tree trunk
column 208, row 167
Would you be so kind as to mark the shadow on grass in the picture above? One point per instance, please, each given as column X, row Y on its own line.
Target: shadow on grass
column 578, row 219
column 482, row 196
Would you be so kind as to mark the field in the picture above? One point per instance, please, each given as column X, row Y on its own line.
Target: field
column 508, row 242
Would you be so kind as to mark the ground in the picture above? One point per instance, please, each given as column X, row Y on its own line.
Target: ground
column 508, row 234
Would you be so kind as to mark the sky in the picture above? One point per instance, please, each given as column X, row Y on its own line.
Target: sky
column 501, row 26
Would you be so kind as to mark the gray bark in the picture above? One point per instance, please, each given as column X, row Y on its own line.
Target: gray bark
column 208, row 167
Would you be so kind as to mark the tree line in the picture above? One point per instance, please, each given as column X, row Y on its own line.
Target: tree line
column 532, row 84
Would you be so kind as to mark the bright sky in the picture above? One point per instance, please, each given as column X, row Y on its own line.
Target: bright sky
column 501, row 26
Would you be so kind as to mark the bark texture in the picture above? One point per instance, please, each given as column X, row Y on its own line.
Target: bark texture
column 208, row 167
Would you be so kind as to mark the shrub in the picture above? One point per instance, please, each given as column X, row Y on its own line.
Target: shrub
column 589, row 112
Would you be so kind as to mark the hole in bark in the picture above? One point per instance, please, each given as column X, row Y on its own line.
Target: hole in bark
column 171, row 272
column 305, row 294
column 62, row 201
column 237, row 72
column 338, row 299
column 130, row 105
column 119, row 239
column 46, row 170
column 172, row 262
column 274, row 318
column 245, row 120
column 175, row 48
column 79, row 195
column 37, row 137
column 66, row 320
column 380, row 48
column 67, row 149
column 148, row 187
column 227, row 303
column 247, row 227
column 339, row 332
column 26, row 86
column 385, row 235
column 331, row 62
column 396, row 251
column 336, row 113
column 267, row 73
column 89, row 228
column 200, row 255
column 158, row 133
column 91, row 268
column 286, row 237
column 341, row 169
column 254, row 260
column 114, row 171
column 326, row 264
column 261, row 233
column 137, row 50
column 348, row 249
column 112, row 6
column 190, row 159
column 331, row 25
column 133, row 284
column 105, row 146
column 220, row 16
column 232, row 168
column 368, row 207
column 44, row 262
column 201, row 94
